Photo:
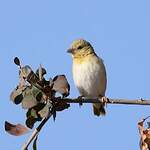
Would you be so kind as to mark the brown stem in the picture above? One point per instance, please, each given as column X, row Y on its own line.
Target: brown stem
column 110, row 101
column 35, row 133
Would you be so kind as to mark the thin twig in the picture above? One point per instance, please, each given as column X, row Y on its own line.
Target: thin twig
column 35, row 133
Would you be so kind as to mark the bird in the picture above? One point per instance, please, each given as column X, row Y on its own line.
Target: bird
column 89, row 73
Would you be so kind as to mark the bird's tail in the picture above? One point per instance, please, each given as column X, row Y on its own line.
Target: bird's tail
column 99, row 109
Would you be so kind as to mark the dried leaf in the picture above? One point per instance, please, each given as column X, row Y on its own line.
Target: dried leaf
column 15, row 130
column 45, row 111
column 22, row 82
column 61, row 85
column 16, row 95
column 145, row 136
column 35, row 91
column 51, row 83
column 25, row 71
column 48, row 90
column 40, row 72
column 17, row 61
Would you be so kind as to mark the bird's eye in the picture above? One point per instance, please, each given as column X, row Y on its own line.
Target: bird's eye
column 80, row 47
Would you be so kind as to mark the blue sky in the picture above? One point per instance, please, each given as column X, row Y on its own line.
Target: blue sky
column 41, row 32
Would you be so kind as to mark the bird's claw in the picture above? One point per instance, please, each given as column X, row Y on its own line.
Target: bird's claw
column 104, row 100
column 80, row 99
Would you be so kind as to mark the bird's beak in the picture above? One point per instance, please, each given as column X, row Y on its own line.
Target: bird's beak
column 70, row 50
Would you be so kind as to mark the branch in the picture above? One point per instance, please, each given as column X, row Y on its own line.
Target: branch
column 35, row 132
column 109, row 101
column 80, row 101
column 62, row 86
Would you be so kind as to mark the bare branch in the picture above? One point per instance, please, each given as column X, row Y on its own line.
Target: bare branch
column 110, row 101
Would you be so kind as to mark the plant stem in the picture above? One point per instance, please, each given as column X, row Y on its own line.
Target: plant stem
column 35, row 133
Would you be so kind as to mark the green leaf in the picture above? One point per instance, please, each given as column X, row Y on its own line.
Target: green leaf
column 33, row 115
column 30, row 122
column 29, row 97
column 32, row 112
column 35, row 91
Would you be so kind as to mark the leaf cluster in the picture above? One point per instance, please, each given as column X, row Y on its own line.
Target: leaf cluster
column 38, row 95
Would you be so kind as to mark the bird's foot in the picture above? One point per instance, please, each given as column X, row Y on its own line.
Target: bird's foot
column 104, row 100
column 80, row 99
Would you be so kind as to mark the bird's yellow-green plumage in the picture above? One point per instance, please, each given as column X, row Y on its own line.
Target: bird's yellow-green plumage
column 84, row 58
column 88, row 72
column 81, row 49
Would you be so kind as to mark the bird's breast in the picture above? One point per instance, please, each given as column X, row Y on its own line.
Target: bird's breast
column 89, row 76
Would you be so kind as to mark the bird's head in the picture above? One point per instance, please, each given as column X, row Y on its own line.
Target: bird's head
column 80, row 48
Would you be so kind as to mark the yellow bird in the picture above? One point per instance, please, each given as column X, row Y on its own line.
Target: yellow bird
column 89, row 73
